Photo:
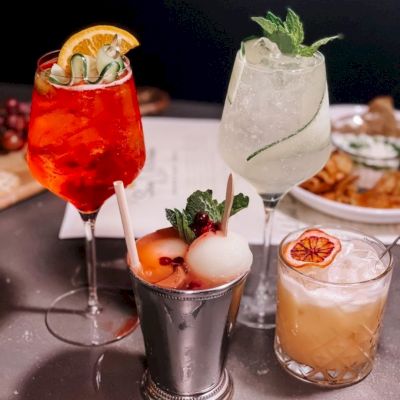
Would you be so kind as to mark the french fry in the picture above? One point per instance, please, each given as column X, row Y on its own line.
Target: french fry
column 337, row 182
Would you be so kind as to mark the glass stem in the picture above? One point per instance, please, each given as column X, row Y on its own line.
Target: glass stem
column 264, row 288
column 89, row 220
column 266, row 255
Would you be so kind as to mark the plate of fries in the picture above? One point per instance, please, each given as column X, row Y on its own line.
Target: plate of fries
column 348, row 189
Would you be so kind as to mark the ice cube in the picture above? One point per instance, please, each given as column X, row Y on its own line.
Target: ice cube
column 106, row 55
column 358, row 261
column 58, row 74
column 261, row 51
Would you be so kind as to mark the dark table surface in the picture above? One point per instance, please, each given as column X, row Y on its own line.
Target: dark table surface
column 36, row 267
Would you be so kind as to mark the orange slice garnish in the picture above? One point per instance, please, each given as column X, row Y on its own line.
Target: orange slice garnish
column 90, row 40
column 313, row 248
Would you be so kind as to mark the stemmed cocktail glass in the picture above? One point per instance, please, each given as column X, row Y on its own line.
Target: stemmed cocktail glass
column 275, row 133
column 81, row 139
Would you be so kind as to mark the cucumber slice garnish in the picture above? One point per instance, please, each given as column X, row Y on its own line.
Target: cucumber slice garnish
column 57, row 75
column 84, row 68
column 106, row 55
column 79, row 68
column 109, row 73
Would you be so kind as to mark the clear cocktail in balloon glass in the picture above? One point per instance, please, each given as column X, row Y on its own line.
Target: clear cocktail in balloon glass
column 275, row 133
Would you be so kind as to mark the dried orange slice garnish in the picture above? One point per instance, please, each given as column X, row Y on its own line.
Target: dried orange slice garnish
column 90, row 40
column 313, row 248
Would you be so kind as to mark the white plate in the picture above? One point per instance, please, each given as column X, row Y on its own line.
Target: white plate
column 346, row 110
column 346, row 211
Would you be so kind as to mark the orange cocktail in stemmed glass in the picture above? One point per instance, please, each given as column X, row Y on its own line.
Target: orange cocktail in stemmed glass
column 84, row 134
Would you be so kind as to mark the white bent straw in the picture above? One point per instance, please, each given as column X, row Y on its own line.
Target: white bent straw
column 127, row 223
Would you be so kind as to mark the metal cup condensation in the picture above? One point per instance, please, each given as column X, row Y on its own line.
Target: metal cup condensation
column 186, row 336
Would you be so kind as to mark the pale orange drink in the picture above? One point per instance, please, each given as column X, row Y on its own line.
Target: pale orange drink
column 332, row 290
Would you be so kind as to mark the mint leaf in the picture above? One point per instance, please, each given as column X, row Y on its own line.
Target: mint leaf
column 179, row 220
column 289, row 34
column 274, row 19
column 308, row 51
column 202, row 202
column 267, row 26
column 284, row 41
column 171, row 216
column 294, row 27
column 240, row 201
column 185, row 232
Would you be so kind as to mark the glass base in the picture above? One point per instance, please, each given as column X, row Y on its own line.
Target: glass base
column 222, row 391
column 69, row 319
column 328, row 378
column 256, row 313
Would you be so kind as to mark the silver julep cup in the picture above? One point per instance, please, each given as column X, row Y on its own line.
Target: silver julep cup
column 186, row 336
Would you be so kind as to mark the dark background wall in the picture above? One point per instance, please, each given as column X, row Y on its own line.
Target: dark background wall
column 188, row 46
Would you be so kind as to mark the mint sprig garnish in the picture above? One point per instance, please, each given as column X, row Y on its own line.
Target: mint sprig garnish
column 180, row 221
column 201, row 203
column 289, row 34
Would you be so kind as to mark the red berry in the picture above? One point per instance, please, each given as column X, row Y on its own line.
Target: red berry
column 202, row 223
column 16, row 122
column 12, row 105
column 26, row 121
column 178, row 260
column 24, row 107
column 165, row 260
column 207, row 228
column 201, row 218
column 12, row 140
column 193, row 285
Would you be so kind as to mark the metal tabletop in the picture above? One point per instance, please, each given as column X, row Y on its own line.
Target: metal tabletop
column 36, row 267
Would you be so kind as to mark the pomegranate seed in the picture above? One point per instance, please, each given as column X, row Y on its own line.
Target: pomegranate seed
column 201, row 218
column 194, row 285
column 178, row 260
column 207, row 228
column 165, row 260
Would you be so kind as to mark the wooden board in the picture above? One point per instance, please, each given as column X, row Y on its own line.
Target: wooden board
column 16, row 182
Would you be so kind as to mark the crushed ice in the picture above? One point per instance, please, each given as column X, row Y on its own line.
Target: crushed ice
column 357, row 261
